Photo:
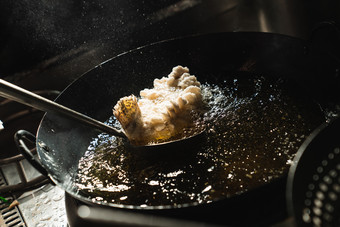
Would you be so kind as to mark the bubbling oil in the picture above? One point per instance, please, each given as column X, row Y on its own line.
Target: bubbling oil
column 254, row 127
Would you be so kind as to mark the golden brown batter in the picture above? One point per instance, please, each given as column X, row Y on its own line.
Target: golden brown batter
column 163, row 111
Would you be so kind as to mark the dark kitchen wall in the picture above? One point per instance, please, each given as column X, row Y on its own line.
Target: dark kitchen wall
column 43, row 33
column 326, row 10
column 32, row 31
column 324, row 26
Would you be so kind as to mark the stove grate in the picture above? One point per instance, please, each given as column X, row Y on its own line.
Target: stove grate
column 9, row 217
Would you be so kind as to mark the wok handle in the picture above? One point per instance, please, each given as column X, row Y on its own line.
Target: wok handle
column 19, row 138
column 326, row 35
column 18, row 94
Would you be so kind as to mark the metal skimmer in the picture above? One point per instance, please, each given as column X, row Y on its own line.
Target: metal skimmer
column 313, row 188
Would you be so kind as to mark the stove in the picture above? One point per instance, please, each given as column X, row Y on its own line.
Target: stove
column 40, row 203
column 47, row 46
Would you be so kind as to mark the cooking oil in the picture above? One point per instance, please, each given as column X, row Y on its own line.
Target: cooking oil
column 254, row 126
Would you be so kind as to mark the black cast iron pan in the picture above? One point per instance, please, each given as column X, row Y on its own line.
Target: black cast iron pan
column 61, row 143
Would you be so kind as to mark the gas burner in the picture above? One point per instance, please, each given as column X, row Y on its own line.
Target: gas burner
column 19, row 175
column 39, row 201
column 9, row 216
column 18, row 163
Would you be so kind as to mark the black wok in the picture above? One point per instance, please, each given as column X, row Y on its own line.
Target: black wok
column 61, row 143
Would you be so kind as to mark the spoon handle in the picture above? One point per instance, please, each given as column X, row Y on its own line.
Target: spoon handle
column 18, row 94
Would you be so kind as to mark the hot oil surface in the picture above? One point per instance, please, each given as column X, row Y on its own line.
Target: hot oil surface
column 254, row 127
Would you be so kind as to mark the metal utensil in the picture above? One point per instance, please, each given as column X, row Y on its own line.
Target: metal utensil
column 18, row 94
column 313, row 186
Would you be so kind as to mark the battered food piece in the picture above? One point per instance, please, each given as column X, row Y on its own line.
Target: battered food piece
column 162, row 112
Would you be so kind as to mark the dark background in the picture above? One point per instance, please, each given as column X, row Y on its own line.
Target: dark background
column 65, row 38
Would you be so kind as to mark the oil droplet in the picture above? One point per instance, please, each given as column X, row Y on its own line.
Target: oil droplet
column 123, row 198
column 46, row 201
column 153, row 183
column 47, row 217
column 58, row 197
column 207, row 189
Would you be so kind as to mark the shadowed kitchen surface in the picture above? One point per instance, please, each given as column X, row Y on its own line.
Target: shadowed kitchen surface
column 44, row 46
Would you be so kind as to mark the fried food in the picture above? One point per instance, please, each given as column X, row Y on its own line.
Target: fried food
column 162, row 112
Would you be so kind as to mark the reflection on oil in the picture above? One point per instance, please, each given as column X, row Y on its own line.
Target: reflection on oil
column 254, row 127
